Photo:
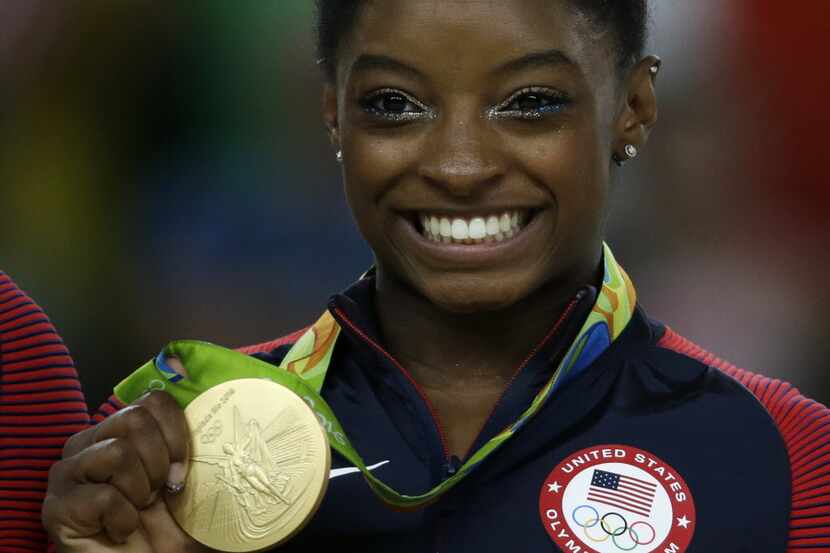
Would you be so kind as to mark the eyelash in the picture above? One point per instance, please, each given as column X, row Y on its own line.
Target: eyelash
column 554, row 102
column 367, row 103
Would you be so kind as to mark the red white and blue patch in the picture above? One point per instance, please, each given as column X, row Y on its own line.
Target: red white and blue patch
column 615, row 498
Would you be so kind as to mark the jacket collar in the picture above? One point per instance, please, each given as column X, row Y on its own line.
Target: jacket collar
column 354, row 310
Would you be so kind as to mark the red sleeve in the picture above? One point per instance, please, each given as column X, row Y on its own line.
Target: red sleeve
column 107, row 408
column 41, row 405
column 274, row 344
column 805, row 428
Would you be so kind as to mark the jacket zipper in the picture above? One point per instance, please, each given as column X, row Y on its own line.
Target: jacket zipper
column 553, row 331
column 451, row 468
column 377, row 347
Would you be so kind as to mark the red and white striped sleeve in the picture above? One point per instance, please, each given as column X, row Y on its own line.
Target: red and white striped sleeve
column 804, row 425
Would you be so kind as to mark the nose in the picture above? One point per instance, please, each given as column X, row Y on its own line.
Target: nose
column 461, row 155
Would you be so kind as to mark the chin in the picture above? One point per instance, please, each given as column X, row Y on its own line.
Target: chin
column 468, row 296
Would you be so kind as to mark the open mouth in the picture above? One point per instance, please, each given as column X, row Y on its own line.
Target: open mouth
column 475, row 229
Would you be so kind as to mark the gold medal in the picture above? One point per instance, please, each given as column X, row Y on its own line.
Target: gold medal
column 259, row 466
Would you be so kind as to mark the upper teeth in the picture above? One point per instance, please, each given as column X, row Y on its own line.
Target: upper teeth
column 474, row 230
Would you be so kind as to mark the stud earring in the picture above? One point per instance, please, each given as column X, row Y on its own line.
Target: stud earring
column 630, row 153
column 339, row 156
column 655, row 68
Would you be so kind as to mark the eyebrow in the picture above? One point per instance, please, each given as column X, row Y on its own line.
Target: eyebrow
column 367, row 62
column 543, row 58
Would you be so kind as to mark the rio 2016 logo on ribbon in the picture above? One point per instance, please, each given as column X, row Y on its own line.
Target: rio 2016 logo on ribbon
column 613, row 498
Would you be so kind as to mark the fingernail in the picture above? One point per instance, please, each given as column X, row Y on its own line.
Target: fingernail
column 176, row 477
column 174, row 487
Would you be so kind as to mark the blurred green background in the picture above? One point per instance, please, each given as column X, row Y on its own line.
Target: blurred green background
column 164, row 173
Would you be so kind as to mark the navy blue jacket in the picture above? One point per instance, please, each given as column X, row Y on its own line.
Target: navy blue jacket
column 745, row 458
column 656, row 446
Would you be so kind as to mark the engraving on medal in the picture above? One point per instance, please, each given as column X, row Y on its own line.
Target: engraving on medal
column 247, row 471
column 212, row 433
column 213, row 411
column 259, row 467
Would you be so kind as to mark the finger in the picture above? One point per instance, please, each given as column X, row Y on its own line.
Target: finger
column 87, row 511
column 173, row 426
column 79, row 441
column 136, row 424
column 113, row 461
column 164, row 533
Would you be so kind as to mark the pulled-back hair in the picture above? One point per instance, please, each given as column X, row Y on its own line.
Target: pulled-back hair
column 626, row 19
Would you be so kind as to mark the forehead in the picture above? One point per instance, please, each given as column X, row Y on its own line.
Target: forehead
column 471, row 36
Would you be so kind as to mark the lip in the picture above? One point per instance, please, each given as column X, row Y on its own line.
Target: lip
column 464, row 214
column 454, row 256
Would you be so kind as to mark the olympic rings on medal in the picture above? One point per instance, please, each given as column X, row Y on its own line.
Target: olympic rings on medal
column 612, row 528
column 636, row 537
column 589, row 522
column 615, row 532
column 212, row 433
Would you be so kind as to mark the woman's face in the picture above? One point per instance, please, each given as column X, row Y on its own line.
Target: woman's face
column 477, row 138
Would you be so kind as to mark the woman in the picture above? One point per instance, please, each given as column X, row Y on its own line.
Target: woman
column 479, row 142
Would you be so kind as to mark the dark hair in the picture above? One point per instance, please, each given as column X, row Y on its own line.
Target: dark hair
column 627, row 19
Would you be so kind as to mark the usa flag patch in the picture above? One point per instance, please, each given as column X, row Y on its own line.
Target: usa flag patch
column 617, row 498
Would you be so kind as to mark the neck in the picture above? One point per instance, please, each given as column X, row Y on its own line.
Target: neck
column 483, row 350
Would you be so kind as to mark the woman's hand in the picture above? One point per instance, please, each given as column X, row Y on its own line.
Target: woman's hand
column 105, row 495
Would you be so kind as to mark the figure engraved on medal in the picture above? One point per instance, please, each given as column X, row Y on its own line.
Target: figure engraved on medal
column 260, row 478
column 248, row 471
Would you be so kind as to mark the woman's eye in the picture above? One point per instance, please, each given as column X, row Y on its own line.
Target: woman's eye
column 393, row 105
column 530, row 102
column 532, row 105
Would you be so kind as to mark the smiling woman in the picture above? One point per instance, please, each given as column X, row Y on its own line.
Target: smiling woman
column 504, row 148
column 511, row 137
column 494, row 366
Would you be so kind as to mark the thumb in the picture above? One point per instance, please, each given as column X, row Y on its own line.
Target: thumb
column 164, row 533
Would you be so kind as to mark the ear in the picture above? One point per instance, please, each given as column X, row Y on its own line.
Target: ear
column 329, row 112
column 639, row 110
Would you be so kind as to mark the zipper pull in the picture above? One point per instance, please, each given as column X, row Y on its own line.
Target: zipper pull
column 453, row 465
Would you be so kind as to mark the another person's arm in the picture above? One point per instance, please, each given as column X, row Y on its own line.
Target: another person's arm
column 42, row 405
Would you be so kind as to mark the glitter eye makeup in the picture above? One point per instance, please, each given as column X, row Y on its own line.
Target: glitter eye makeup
column 394, row 105
column 529, row 103
column 542, row 101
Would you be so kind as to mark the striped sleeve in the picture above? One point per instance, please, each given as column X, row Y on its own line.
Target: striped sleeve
column 112, row 405
column 805, row 427
column 41, row 405
column 274, row 344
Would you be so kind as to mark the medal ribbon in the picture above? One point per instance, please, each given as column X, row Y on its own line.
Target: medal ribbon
column 304, row 368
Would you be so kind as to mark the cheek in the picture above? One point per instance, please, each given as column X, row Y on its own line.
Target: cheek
column 358, row 196
column 378, row 156
column 366, row 179
column 572, row 166
column 374, row 165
